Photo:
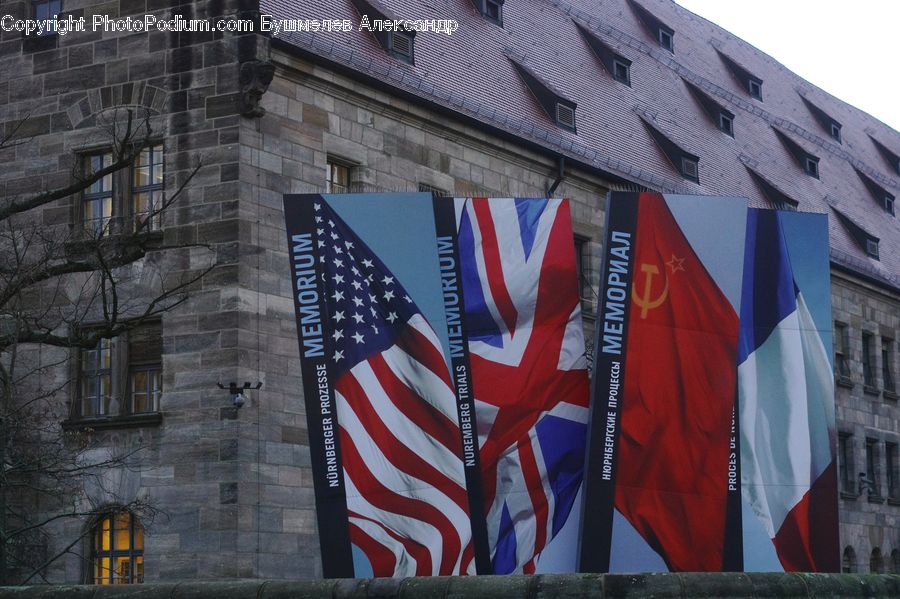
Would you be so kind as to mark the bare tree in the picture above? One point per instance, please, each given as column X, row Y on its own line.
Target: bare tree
column 64, row 288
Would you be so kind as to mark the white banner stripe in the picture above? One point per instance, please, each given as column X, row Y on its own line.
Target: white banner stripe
column 405, row 563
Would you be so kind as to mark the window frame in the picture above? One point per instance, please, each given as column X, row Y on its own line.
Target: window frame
column 35, row 4
column 754, row 88
column 841, row 360
column 888, row 380
column 625, row 67
column 835, row 130
column 134, row 554
column 848, row 480
column 685, row 172
column 666, row 39
column 99, row 402
column 332, row 164
column 122, row 193
column 726, row 118
column 811, row 166
column 872, row 469
column 867, row 360
column 890, row 470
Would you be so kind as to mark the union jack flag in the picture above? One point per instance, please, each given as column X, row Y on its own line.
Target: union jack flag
column 396, row 408
column 529, row 373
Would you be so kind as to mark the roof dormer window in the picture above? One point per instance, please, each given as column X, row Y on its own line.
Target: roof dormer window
column 831, row 126
column 492, row 10
column 835, row 132
column 399, row 41
column 879, row 193
column 807, row 161
column 721, row 117
column 726, row 123
column 747, row 80
column 776, row 197
column 687, row 164
column 615, row 64
column 558, row 107
column 662, row 33
column 866, row 241
column 892, row 157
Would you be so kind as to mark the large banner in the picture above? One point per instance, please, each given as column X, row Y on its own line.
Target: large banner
column 712, row 425
column 446, row 388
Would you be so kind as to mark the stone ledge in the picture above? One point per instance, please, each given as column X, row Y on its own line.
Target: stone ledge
column 567, row 586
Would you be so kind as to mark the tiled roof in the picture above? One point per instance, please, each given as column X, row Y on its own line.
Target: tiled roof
column 469, row 73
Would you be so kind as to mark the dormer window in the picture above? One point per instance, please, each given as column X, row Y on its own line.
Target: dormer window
column 776, row 197
column 559, row 108
column 866, row 241
column 662, row 33
column 812, row 166
column 754, row 86
column 615, row 64
column 665, row 40
column 720, row 116
column 565, row 115
column 879, row 193
column 726, row 123
column 808, row 162
column 492, row 10
column 399, row 41
column 687, row 164
column 622, row 71
column 892, row 157
column 835, row 132
column 831, row 126
column 747, row 80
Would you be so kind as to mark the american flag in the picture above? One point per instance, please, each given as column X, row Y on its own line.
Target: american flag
column 529, row 372
column 396, row 408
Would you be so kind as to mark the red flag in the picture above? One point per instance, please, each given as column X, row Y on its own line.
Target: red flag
column 676, row 413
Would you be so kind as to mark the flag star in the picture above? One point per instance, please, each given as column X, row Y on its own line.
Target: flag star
column 322, row 258
column 317, row 206
column 338, row 250
column 338, row 278
column 372, row 310
column 318, row 219
column 367, row 263
column 374, row 328
column 357, row 302
column 369, row 279
column 676, row 264
column 338, row 316
column 320, row 231
column 338, row 333
column 338, row 355
column 338, row 262
column 330, row 223
column 321, row 243
column 387, row 280
column 371, row 298
column 355, row 271
column 334, row 235
column 349, row 245
column 388, row 295
column 357, row 285
column 391, row 317
column 358, row 318
column 358, row 337
column 337, row 295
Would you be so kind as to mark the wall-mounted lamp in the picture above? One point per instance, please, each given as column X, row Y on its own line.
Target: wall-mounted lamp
column 237, row 393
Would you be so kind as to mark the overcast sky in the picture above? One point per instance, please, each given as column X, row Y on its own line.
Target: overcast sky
column 848, row 48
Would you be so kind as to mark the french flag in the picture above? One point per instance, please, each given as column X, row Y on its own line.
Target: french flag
column 786, row 399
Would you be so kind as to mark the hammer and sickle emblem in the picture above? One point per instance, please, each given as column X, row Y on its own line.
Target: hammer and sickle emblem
column 645, row 302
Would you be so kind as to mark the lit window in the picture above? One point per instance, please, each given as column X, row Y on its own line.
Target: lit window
column 118, row 550
column 130, row 195
column 121, row 376
column 337, row 177
column 147, row 189
column 46, row 10
column 97, row 206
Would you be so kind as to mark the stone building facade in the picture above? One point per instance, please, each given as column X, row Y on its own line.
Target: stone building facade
column 267, row 116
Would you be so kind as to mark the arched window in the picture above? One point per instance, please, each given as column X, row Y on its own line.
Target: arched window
column 118, row 549
column 849, row 562
column 876, row 562
column 895, row 561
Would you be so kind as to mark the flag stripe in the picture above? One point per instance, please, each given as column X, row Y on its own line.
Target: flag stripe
column 493, row 267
